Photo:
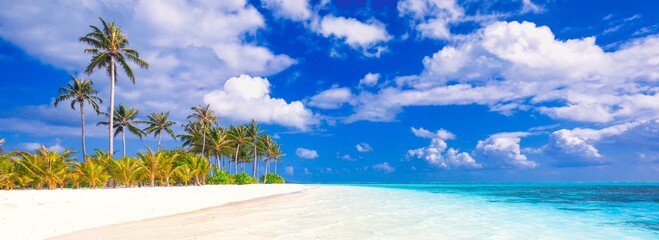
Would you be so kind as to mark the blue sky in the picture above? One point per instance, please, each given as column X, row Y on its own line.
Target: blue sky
column 366, row 91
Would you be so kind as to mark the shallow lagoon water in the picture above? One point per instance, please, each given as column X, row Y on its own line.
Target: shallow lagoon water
column 478, row 211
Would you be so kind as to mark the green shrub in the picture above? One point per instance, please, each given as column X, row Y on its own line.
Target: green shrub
column 244, row 178
column 272, row 178
column 220, row 177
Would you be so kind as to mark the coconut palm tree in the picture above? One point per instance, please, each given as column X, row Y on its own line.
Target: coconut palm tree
column 109, row 48
column 124, row 118
column 150, row 164
column 166, row 165
column 254, row 133
column 46, row 167
column 8, row 171
column 91, row 171
column 204, row 116
column 80, row 91
column 238, row 137
column 158, row 123
column 272, row 151
column 218, row 143
column 128, row 170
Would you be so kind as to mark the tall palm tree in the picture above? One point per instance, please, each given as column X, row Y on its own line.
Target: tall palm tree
column 272, row 151
column 124, row 119
column 205, row 117
column 238, row 137
column 218, row 143
column 254, row 133
column 158, row 123
column 79, row 92
column 109, row 47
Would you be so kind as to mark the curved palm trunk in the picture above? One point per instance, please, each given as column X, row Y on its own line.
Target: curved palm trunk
column 276, row 167
column 254, row 164
column 123, row 136
column 236, row 160
column 112, row 80
column 265, row 171
column 82, row 119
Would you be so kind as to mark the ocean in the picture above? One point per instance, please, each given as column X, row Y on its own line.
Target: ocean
column 523, row 210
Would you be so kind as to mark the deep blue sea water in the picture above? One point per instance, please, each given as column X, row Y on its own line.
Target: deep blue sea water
column 633, row 206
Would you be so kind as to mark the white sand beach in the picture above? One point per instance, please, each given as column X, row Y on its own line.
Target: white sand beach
column 33, row 214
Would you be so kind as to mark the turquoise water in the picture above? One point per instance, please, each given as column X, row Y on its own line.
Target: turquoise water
column 631, row 208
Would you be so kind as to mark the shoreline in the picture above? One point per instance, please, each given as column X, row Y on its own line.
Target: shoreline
column 42, row 214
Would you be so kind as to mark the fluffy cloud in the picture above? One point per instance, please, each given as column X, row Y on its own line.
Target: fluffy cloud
column 363, row 147
column 369, row 80
column 306, row 153
column 436, row 153
column 297, row 10
column 511, row 66
column 384, row 167
column 576, row 147
column 356, row 34
column 193, row 47
column 332, row 98
column 432, row 18
column 245, row 97
column 503, row 150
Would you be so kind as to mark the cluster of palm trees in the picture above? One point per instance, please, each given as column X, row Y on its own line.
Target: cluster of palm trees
column 50, row 169
column 234, row 149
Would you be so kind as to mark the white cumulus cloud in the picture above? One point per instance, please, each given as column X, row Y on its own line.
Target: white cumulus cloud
column 245, row 97
column 503, row 150
column 306, row 153
column 356, row 34
column 384, row 167
column 432, row 18
column 363, row 147
column 436, row 153
column 332, row 98
column 296, row 10
column 370, row 79
column 512, row 66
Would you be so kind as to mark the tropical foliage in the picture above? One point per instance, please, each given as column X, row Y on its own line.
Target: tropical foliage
column 209, row 153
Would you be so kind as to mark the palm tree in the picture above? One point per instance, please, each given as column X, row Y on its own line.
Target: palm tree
column 127, row 170
column 108, row 48
column 218, row 143
column 92, row 171
column 238, row 137
column 8, row 171
column 254, row 132
column 150, row 164
column 166, row 165
column 158, row 123
column 79, row 92
column 272, row 151
column 124, row 119
column 46, row 167
column 205, row 117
